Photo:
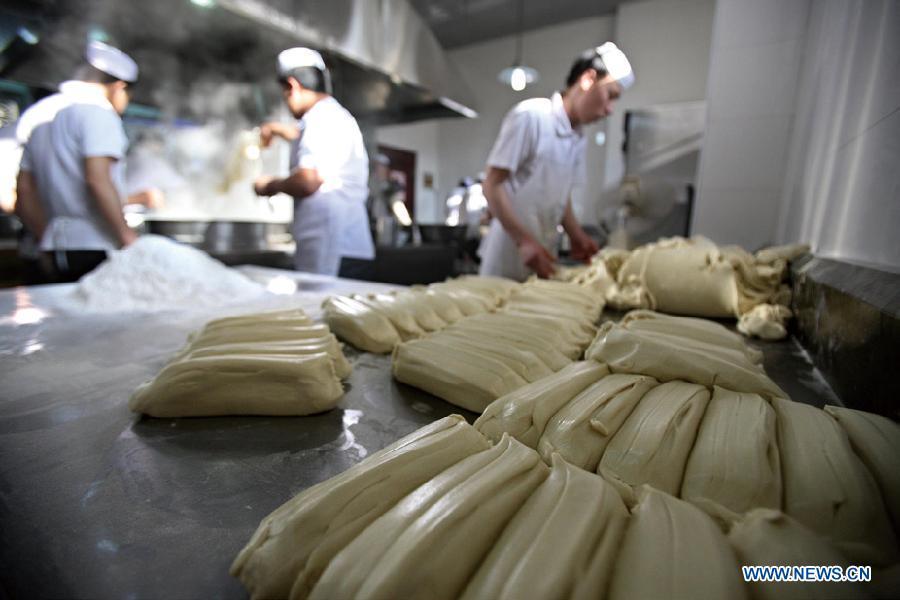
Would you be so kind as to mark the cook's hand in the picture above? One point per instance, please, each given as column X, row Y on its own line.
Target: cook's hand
column 271, row 130
column 151, row 198
column 583, row 247
column 263, row 185
column 537, row 258
column 127, row 237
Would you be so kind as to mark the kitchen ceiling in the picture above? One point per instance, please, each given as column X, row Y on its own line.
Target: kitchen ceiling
column 461, row 22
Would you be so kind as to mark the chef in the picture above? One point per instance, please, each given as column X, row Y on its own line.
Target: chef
column 70, row 182
column 537, row 159
column 329, row 172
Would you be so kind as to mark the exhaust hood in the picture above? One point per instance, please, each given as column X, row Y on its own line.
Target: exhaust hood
column 386, row 65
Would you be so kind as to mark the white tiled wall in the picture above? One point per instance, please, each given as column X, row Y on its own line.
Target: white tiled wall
column 757, row 49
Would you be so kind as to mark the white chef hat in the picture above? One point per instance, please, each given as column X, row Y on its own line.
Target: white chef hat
column 111, row 61
column 616, row 64
column 296, row 58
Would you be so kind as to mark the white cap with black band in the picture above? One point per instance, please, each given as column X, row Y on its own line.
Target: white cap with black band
column 616, row 64
column 111, row 61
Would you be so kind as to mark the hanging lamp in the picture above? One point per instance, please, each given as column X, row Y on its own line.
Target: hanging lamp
column 518, row 76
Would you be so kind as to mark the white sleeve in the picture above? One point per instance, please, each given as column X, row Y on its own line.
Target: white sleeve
column 102, row 133
column 322, row 142
column 515, row 142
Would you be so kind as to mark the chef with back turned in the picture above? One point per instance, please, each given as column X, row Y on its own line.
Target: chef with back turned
column 536, row 161
column 70, row 186
column 329, row 171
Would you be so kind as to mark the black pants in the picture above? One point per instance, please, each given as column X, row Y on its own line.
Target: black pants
column 66, row 266
column 357, row 268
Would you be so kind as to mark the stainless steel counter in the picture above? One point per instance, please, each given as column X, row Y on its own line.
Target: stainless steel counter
column 97, row 502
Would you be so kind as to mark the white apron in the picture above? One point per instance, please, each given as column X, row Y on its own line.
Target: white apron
column 540, row 204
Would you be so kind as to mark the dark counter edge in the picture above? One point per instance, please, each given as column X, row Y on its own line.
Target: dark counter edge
column 848, row 320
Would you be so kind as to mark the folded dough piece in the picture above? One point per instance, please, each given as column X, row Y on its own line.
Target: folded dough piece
column 414, row 304
column 581, row 430
column 468, row 301
column 359, row 325
column 828, row 488
column 255, row 332
column 525, row 412
column 292, row 546
column 562, row 334
column 442, row 303
column 670, row 358
column 328, row 344
column 240, row 385
column 497, row 289
column 876, row 440
column 769, row 537
column 546, row 344
column 653, row 444
column 449, row 371
column 701, row 330
column 564, row 538
column 735, row 461
column 291, row 316
column 672, row 549
column 403, row 321
column 524, row 362
column 432, row 541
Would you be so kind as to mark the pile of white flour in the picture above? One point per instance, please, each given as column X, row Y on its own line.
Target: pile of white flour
column 155, row 273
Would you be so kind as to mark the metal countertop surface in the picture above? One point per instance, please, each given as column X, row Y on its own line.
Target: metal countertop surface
column 98, row 502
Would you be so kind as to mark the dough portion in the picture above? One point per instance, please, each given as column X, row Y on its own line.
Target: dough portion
column 765, row 321
column 360, row 326
column 563, row 538
column 293, row 545
column 433, row 540
column 524, row 413
column 653, row 444
column 378, row 322
column 672, row 549
column 735, row 461
column 581, row 430
column 828, row 488
column 876, row 441
column 275, row 363
column 698, row 330
column 239, row 384
column 447, row 371
column 669, row 358
column 769, row 537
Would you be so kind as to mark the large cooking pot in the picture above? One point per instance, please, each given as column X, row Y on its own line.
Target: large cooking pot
column 222, row 236
column 241, row 236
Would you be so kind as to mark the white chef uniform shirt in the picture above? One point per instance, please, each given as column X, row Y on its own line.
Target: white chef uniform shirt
column 59, row 132
column 332, row 222
column 545, row 157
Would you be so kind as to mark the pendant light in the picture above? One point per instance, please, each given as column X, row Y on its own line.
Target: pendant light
column 518, row 76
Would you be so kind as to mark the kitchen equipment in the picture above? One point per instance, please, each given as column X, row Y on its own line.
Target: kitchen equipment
column 241, row 236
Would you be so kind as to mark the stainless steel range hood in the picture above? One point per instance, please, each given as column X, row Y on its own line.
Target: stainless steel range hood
column 386, row 65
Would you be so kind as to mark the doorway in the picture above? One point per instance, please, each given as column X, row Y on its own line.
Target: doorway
column 403, row 171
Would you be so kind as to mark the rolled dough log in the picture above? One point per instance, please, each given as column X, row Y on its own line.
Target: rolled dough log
column 328, row 344
column 293, row 545
column 359, row 325
column 770, row 537
column 404, row 322
column 433, row 540
column 670, row 358
column 524, row 362
column 241, row 385
column 564, row 538
column 735, row 461
column 876, row 440
column 828, row 488
column 672, row 549
column 414, row 304
column 525, row 412
column 653, row 444
column 581, row 430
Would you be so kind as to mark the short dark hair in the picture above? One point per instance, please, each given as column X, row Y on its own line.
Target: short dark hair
column 90, row 73
column 589, row 59
column 310, row 78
